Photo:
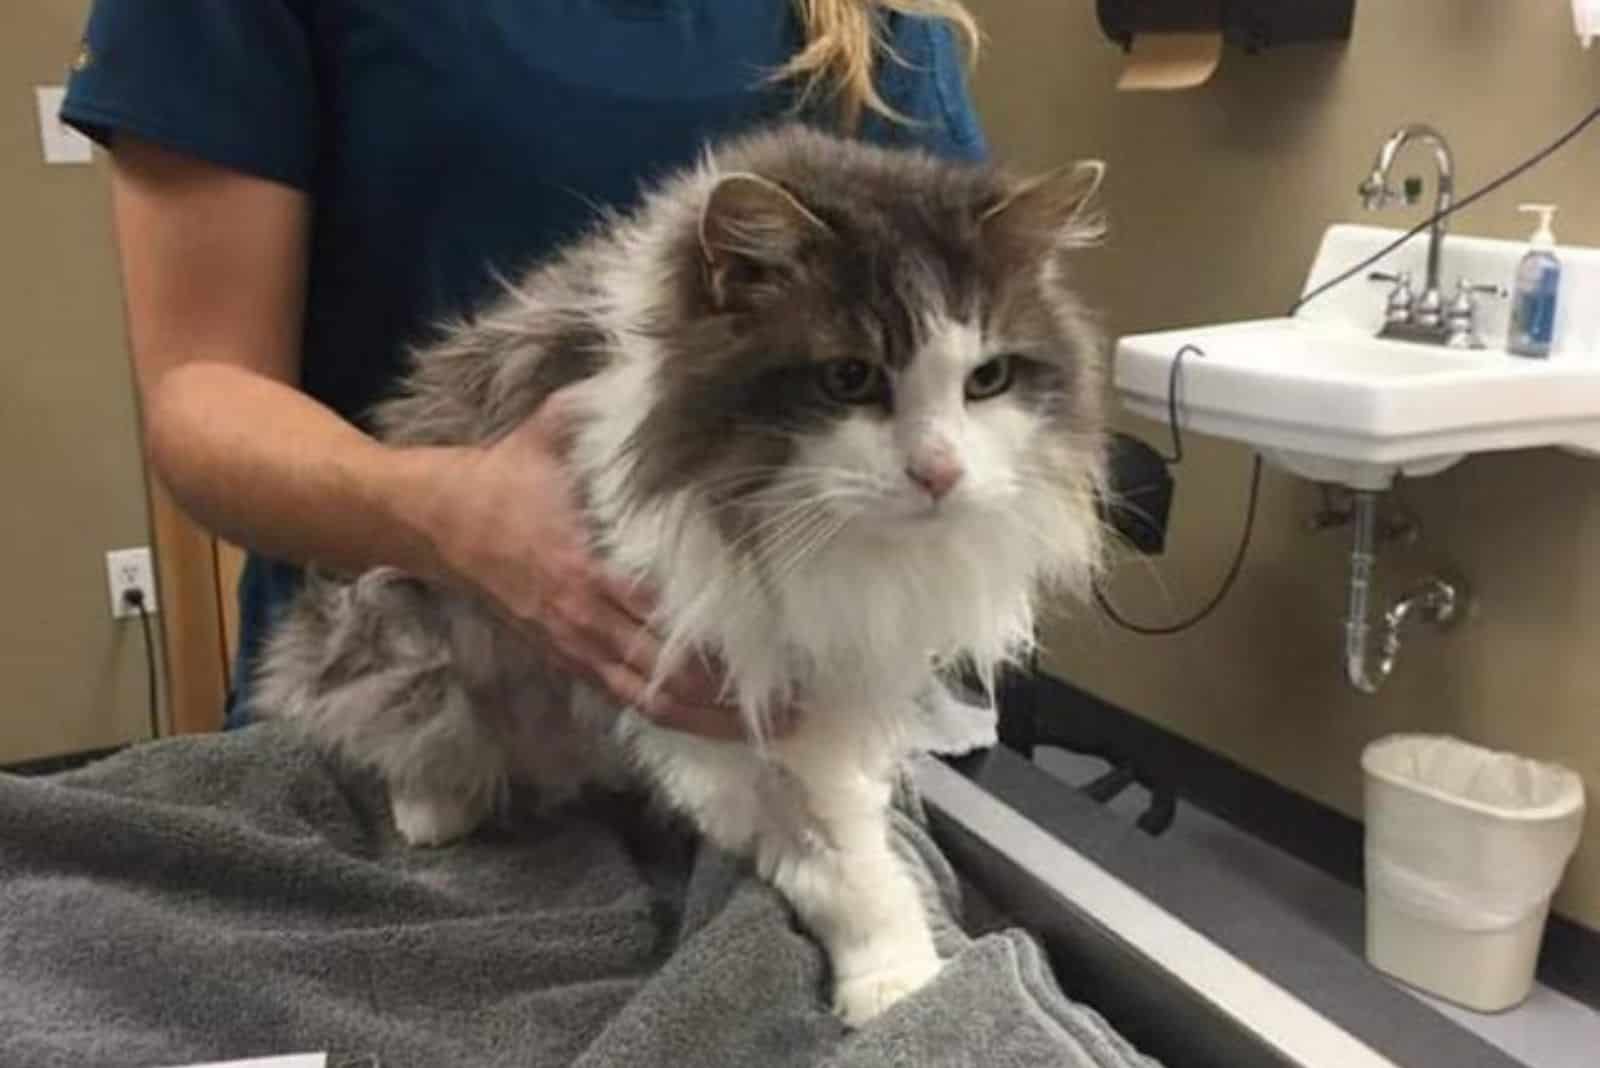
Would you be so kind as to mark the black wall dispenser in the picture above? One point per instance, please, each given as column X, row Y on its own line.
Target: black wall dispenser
column 1252, row 25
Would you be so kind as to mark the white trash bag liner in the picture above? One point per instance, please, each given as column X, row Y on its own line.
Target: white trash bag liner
column 1465, row 846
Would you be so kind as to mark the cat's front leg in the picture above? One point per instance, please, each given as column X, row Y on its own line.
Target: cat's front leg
column 435, row 819
column 849, row 888
column 816, row 823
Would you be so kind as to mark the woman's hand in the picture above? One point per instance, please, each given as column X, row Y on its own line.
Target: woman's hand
column 503, row 523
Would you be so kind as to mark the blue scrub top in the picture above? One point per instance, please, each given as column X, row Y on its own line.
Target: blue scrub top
column 445, row 142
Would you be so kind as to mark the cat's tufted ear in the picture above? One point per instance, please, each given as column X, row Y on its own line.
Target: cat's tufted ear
column 752, row 233
column 1060, row 205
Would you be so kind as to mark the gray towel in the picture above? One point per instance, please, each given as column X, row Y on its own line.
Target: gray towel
column 241, row 895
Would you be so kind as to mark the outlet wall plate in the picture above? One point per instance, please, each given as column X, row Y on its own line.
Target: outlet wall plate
column 128, row 569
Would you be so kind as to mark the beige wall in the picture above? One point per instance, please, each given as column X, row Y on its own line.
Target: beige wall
column 1218, row 197
column 72, row 480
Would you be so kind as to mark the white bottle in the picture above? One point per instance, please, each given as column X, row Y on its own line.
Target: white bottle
column 1537, row 288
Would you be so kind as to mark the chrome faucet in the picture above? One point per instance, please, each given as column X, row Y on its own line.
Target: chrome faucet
column 1422, row 317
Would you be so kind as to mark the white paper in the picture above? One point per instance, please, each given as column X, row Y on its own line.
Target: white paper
column 297, row 1060
column 62, row 144
column 1586, row 20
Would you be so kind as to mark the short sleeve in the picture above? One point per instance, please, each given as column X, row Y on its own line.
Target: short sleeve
column 925, row 81
column 227, row 81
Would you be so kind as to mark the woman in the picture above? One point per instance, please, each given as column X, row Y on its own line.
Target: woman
column 302, row 188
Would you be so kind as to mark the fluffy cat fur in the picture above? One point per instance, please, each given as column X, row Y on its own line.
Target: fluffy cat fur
column 792, row 427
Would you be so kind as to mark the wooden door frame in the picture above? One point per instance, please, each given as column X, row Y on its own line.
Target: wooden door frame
column 199, row 622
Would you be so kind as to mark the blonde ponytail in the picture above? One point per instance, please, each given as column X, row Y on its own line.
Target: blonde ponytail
column 843, row 46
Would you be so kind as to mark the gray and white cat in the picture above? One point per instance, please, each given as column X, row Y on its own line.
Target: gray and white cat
column 838, row 406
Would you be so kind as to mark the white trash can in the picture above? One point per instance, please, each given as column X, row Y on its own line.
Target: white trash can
column 1464, row 848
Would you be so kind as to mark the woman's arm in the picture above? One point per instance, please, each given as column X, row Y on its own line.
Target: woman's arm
column 214, row 265
column 214, row 270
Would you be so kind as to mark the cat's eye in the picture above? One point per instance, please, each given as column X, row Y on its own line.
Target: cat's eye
column 852, row 381
column 989, row 379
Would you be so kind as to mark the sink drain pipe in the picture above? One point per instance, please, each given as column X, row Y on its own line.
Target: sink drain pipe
column 1436, row 601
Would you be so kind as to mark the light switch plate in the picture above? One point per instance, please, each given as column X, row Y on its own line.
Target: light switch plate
column 62, row 144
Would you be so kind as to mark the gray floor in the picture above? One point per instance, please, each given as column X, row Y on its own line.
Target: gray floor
column 1549, row 1030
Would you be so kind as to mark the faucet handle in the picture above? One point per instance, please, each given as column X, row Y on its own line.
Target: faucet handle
column 1465, row 288
column 1464, row 304
column 1401, row 298
column 1462, row 315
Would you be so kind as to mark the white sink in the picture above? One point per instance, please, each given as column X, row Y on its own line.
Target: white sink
column 1321, row 395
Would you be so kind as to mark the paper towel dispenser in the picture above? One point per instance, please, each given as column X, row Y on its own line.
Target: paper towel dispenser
column 1248, row 24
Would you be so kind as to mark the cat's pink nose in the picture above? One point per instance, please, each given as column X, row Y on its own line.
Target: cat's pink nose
column 937, row 473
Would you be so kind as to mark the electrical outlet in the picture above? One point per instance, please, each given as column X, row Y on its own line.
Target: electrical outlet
column 130, row 569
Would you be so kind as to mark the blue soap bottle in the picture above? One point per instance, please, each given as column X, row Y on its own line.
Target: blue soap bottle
column 1537, row 288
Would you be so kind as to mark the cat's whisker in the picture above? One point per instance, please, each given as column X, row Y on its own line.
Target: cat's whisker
column 815, row 495
column 782, row 520
column 779, row 474
column 796, row 497
column 768, row 500
column 802, row 548
column 754, row 576
column 792, row 526
column 752, row 547
column 1108, row 562
column 812, row 516
column 776, row 569
column 789, row 542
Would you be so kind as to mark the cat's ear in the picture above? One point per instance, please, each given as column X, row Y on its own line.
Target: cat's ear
column 751, row 231
column 1061, row 205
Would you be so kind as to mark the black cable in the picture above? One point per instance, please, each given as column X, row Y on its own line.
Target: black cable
column 135, row 598
column 1228, row 579
column 1172, row 402
column 1245, row 535
column 1515, row 172
column 1237, row 565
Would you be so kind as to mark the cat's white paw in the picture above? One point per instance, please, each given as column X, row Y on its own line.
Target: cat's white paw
column 861, row 997
column 433, row 821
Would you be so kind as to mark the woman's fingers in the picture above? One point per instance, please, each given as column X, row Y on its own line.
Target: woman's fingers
column 718, row 722
column 627, row 679
column 630, row 597
column 620, row 625
column 631, row 688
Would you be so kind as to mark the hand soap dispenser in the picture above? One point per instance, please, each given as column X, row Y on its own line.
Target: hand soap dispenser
column 1538, row 285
